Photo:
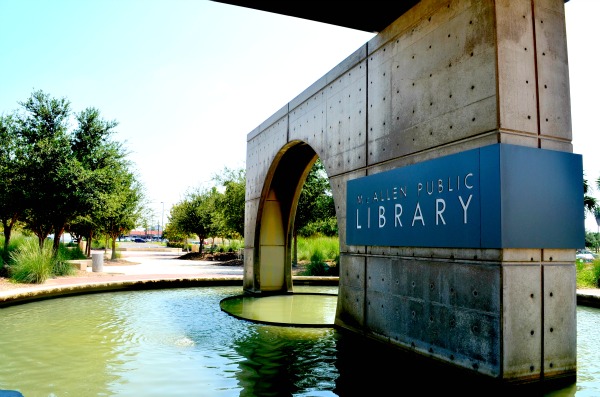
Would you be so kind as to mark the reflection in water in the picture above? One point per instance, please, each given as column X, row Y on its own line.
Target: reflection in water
column 180, row 343
column 300, row 309
column 287, row 361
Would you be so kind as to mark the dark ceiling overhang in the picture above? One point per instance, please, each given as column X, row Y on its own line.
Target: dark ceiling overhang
column 369, row 17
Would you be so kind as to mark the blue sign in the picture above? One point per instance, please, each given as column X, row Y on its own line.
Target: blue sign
column 497, row 196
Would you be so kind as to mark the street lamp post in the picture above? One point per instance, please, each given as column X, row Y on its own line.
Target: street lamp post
column 162, row 220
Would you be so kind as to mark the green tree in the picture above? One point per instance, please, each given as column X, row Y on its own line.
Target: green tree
column 231, row 204
column 589, row 202
column 592, row 239
column 147, row 217
column 91, row 140
column 315, row 203
column 106, row 175
column 81, row 227
column 174, row 235
column 11, row 182
column 122, row 209
column 195, row 214
column 70, row 179
column 53, row 174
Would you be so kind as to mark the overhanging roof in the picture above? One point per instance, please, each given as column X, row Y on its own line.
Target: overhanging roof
column 372, row 17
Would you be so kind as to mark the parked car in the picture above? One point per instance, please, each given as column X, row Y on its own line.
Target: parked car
column 139, row 240
column 584, row 255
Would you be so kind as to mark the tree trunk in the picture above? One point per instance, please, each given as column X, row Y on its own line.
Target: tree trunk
column 58, row 232
column 7, row 227
column 295, row 250
column 88, row 245
column 113, row 255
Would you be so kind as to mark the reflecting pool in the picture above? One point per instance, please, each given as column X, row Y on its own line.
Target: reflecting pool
column 178, row 342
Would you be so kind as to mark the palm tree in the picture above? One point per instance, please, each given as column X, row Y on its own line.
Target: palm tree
column 590, row 204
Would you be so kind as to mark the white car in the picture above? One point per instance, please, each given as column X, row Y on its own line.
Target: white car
column 584, row 255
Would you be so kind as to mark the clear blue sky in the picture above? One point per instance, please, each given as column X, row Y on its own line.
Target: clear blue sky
column 187, row 80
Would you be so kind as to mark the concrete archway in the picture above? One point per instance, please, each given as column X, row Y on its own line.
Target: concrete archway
column 439, row 137
column 276, row 213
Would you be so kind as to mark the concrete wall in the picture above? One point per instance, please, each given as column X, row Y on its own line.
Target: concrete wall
column 447, row 76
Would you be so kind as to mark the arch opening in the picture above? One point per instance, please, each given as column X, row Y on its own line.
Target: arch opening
column 274, row 232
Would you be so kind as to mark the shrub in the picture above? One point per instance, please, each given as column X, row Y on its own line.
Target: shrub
column 67, row 253
column 98, row 245
column 16, row 240
column 236, row 245
column 317, row 265
column 29, row 264
column 323, row 227
column 329, row 247
column 61, row 267
column 588, row 274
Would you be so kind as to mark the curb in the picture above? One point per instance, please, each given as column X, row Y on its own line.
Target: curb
column 15, row 297
column 25, row 295
column 589, row 300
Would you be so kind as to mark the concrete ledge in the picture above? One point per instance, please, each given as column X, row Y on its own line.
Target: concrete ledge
column 590, row 300
column 31, row 294
column 25, row 295
column 315, row 280
column 80, row 264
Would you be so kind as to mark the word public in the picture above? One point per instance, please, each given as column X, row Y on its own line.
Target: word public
column 449, row 194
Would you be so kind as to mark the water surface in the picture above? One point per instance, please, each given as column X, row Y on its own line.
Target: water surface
column 178, row 342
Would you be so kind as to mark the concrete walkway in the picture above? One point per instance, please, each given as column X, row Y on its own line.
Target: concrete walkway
column 161, row 269
column 141, row 268
column 165, row 262
column 147, row 269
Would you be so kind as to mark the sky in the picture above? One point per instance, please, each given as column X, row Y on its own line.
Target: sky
column 187, row 80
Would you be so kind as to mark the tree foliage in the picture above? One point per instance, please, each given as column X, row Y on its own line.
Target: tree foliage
column 53, row 174
column 173, row 234
column 122, row 208
column 315, row 214
column 111, row 198
column 220, row 210
column 214, row 212
column 590, row 204
column 11, row 181
column 195, row 214
column 231, row 204
column 315, row 205
column 592, row 240
column 54, row 177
